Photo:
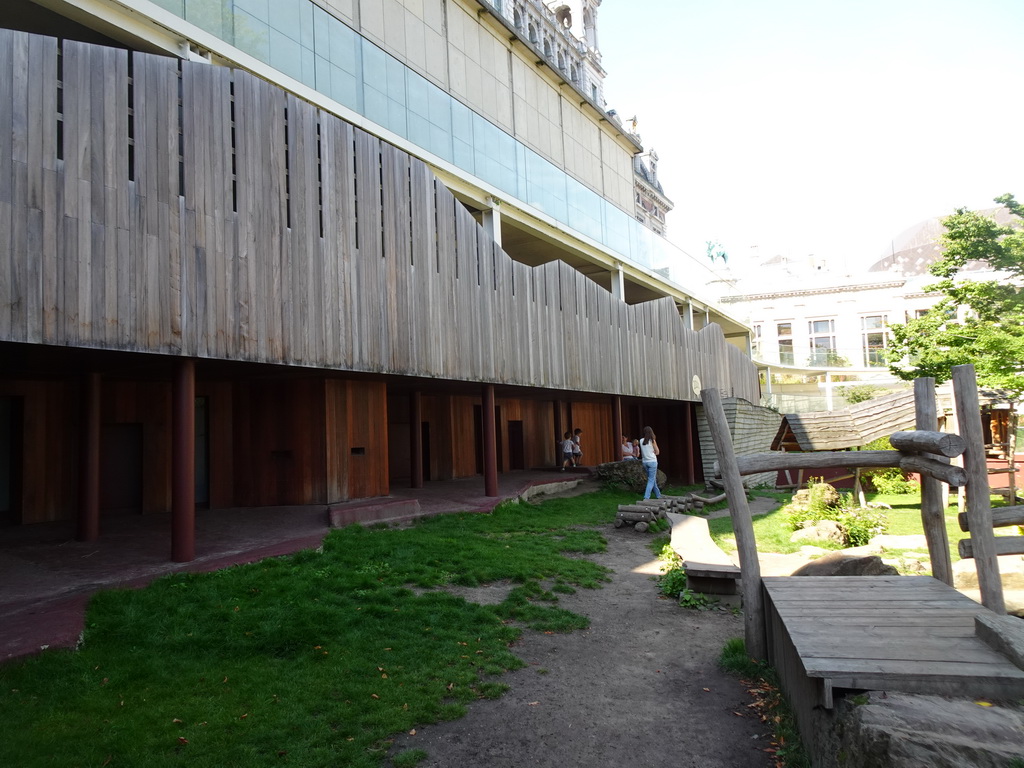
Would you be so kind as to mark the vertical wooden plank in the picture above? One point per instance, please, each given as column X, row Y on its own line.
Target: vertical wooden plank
column 979, row 505
column 933, row 516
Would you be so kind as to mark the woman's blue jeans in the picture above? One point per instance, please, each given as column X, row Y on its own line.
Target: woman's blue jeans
column 652, row 479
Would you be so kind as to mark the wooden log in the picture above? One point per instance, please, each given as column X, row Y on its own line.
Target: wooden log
column 1001, row 517
column 933, row 468
column 1003, row 545
column 928, row 441
column 933, row 512
column 742, row 524
column 979, row 505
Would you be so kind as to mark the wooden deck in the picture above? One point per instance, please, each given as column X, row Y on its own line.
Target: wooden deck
column 901, row 633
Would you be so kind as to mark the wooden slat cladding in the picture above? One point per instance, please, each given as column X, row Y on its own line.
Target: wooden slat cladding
column 246, row 224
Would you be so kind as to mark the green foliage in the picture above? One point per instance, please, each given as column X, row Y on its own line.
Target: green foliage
column 859, row 393
column 888, row 480
column 825, row 503
column 317, row 658
column 770, row 704
column 991, row 333
column 672, row 581
column 696, row 600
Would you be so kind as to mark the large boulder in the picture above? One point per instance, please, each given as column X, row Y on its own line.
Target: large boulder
column 630, row 475
column 823, row 530
column 840, row 564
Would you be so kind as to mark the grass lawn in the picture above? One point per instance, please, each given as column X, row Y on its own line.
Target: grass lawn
column 313, row 659
column 772, row 533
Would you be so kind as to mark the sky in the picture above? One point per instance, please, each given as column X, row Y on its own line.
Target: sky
column 819, row 127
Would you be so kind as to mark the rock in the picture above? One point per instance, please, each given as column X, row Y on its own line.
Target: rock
column 1011, row 570
column 841, row 564
column 630, row 475
column 886, row 541
column 823, row 530
column 898, row 730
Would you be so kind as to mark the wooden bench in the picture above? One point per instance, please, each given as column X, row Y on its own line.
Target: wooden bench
column 708, row 569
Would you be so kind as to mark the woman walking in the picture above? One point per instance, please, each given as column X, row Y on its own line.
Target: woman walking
column 649, row 455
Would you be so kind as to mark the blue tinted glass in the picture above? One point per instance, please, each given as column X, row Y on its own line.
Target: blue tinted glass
column 177, row 7
column 252, row 36
column 286, row 17
column 259, row 9
column 285, row 54
column 212, row 15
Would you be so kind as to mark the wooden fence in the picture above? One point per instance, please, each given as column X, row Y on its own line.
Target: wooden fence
column 149, row 204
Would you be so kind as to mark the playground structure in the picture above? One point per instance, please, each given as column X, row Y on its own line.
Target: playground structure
column 916, row 634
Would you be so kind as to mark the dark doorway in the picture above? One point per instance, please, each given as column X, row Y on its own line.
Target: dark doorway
column 11, row 442
column 425, row 441
column 203, row 452
column 516, row 446
column 121, row 468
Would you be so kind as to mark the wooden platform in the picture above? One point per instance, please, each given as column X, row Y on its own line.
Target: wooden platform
column 897, row 633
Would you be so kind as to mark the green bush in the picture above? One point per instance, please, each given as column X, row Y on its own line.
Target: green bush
column 826, row 503
column 888, row 480
column 672, row 582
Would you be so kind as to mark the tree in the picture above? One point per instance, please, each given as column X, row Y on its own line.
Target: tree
column 975, row 321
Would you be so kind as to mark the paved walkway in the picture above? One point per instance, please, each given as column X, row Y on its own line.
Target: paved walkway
column 47, row 577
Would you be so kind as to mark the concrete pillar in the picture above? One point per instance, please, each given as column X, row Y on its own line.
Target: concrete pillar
column 89, row 466
column 183, row 462
column 618, row 283
column 490, row 220
column 490, row 434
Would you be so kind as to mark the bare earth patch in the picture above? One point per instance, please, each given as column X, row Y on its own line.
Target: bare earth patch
column 641, row 687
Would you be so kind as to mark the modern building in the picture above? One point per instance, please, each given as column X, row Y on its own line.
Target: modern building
column 820, row 327
column 261, row 253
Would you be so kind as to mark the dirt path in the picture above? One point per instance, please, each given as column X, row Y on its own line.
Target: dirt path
column 640, row 687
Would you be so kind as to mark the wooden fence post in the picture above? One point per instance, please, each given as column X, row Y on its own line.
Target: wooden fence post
column 933, row 513
column 743, row 526
column 979, row 505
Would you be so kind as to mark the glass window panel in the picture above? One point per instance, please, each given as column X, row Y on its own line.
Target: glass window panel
column 375, row 105
column 418, row 96
column 259, row 9
column 396, row 86
column 286, row 17
column 784, row 329
column 441, row 143
column 212, row 15
column 285, row 54
column 177, row 7
column 252, row 36
column 462, row 122
column 308, row 67
column 323, row 26
column 347, row 50
column 615, row 225
column 345, row 88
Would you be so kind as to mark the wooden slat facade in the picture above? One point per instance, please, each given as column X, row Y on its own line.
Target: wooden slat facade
column 286, row 236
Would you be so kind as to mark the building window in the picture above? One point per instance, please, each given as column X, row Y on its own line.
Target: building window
column 823, row 342
column 785, row 333
column 874, row 335
column 756, row 342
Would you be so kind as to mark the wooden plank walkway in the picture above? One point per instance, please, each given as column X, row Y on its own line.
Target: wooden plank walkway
column 898, row 633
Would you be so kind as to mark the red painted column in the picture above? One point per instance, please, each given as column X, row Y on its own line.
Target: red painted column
column 617, row 426
column 183, row 462
column 89, row 461
column 416, row 439
column 490, row 443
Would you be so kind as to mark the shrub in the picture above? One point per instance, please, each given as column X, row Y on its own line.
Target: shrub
column 823, row 502
column 887, row 480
